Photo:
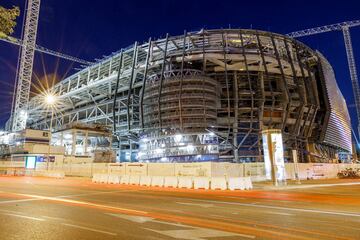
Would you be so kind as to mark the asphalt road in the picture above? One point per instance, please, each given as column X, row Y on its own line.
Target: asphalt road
column 42, row 208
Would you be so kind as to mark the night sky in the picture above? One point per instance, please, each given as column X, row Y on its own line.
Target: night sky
column 90, row 29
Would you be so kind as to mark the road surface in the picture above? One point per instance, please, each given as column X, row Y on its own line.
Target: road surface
column 43, row 208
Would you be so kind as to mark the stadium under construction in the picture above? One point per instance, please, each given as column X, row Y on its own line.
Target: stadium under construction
column 202, row 96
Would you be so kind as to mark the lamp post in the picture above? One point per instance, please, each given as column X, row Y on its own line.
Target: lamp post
column 50, row 101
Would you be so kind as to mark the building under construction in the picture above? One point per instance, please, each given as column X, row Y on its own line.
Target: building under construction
column 206, row 96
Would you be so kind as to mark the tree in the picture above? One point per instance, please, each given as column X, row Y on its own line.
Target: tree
column 8, row 20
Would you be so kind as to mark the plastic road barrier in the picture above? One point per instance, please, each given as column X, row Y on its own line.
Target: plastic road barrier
column 248, row 183
column 125, row 179
column 185, row 182
column 104, row 178
column 96, row 177
column 201, row 183
column 55, row 174
column 236, row 183
column 157, row 181
column 145, row 180
column 170, row 181
column 240, row 183
column 114, row 179
column 218, row 183
column 134, row 179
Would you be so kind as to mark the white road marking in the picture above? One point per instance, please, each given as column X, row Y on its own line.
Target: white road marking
column 172, row 224
column 89, row 229
column 198, row 233
column 280, row 213
column 61, row 196
column 23, row 216
column 54, row 218
column 315, row 185
column 281, row 208
column 89, row 194
column 56, row 199
column 137, row 219
column 196, row 204
column 18, row 200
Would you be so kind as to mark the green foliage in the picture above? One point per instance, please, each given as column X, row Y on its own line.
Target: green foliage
column 8, row 20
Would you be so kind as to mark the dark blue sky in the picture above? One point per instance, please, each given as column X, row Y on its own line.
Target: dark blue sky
column 90, row 29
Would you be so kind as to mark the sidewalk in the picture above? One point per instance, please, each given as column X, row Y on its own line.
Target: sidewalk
column 312, row 183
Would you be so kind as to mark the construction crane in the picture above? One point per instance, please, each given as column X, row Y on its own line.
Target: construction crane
column 39, row 48
column 26, row 65
column 28, row 46
column 345, row 28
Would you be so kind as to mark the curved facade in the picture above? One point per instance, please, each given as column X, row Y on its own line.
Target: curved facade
column 207, row 96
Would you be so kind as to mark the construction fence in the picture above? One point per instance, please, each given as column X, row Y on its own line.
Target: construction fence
column 204, row 169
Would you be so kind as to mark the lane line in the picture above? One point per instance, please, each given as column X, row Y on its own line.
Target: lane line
column 54, row 218
column 22, row 216
column 314, row 186
column 56, row 199
column 281, row 208
column 196, row 204
column 18, row 200
column 280, row 213
column 61, row 196
column 89, row 229
column 92, row 193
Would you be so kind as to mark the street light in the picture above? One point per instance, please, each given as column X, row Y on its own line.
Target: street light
column 50, row 101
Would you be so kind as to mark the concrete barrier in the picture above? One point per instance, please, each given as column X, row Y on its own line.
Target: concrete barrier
column 125, row 179
column 157, row 181
column 145, row 180
column 113, row 179
column 134, row 180
column 170, row 182
column 201, row 183
column 185, row 182
column 218, row 183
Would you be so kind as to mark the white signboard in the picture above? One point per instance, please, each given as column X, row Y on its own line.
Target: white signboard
column 274, row 155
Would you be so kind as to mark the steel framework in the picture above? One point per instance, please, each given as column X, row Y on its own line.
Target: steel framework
column 265, row 80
